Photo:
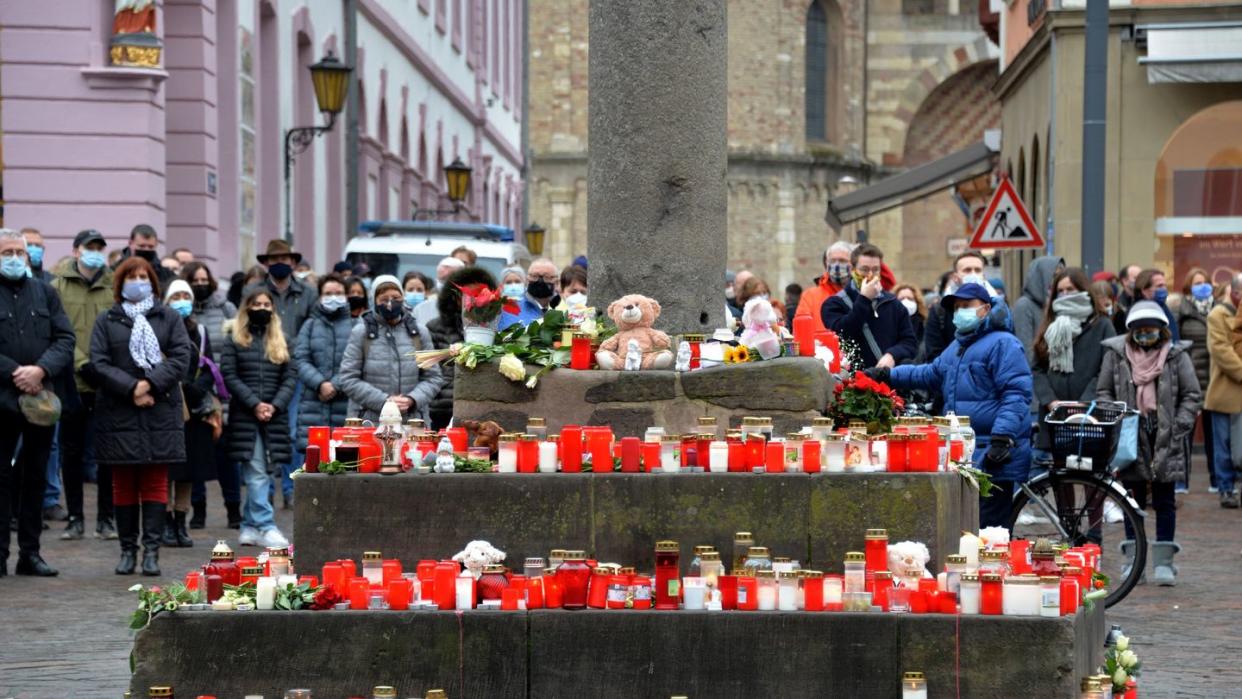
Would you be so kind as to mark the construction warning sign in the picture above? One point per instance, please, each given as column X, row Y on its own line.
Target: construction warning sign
column 1006, row 223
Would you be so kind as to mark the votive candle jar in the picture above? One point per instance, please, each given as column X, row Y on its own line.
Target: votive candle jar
column 787, row 591
column 767, row 590
column 668, row 583
column 855, row 571
column 547, row 457
column 794, row 442
column 507, row 453
column 834, row 453
column 813, row 590
column 812, row 460
column 876, row 542
column 969, row 592
column 372, row 567
column 718, row 457
column 747, row 591
column 571, row 449
column 1050, row 596
column 597, row 595
column 574, row 575
column 991, row 594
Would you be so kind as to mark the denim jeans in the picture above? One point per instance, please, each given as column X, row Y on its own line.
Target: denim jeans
column 286, row 470
column 51, row 494
column 257, row 512
column 1221, row 457
column 1163, row 501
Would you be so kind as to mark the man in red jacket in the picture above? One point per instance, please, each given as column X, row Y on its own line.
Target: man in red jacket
column 836, row 276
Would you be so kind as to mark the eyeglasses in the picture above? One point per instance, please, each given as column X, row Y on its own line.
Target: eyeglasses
column 550, row 278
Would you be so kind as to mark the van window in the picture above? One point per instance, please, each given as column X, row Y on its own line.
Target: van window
column 398, row 264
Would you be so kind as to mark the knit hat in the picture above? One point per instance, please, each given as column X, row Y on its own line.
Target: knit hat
column 178, row 285
column 1146, row 310
column 380, row 282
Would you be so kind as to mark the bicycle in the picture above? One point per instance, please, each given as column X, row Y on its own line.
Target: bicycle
column 1079, row 500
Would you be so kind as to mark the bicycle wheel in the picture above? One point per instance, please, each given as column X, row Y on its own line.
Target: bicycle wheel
column 1077, row 508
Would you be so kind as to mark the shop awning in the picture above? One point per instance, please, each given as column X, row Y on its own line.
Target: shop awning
column 914, row 184
column 1203, row 52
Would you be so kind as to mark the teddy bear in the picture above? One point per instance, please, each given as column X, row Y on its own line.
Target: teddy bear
column 485, row 433
column 908, row 560
column 634, row 316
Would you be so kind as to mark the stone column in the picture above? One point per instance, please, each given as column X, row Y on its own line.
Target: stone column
column 657, row 157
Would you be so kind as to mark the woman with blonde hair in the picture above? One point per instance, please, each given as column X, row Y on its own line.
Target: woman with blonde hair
column 260, row 377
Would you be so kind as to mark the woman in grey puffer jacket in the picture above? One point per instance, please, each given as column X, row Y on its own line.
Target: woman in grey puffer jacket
column 379, row 362
column 318, row 357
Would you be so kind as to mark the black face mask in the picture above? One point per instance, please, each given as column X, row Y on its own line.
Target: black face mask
column 260, row 317
column 357, row 303
column 540, row 289
column 148, row 255
column 202, row 292
column 280, row 270
column 391, row 310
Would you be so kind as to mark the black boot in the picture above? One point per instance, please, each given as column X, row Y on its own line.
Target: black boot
column 183, row 539
column 199, row 519
column 127, row 533
column 235, row 518
column 152, row 532
column 33, row 564
column 169, row 536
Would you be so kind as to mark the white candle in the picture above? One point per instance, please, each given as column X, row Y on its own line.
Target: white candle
column 787, row 597
column 693, row 593
column 465, row 591
column 968, row 546
column 506, row 458
column 265, row 593
column 832, row 590
column 968, row 596
column 547, row 457
column 283, row 580
column 719, row 452
column 767, row 598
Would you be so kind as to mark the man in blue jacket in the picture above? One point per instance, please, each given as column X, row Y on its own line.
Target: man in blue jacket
column 869, row 317
column 982, row 374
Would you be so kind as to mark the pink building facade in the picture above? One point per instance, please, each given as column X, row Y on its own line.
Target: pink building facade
column 195, row 147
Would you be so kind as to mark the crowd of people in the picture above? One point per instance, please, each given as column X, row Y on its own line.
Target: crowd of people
column 151, row 377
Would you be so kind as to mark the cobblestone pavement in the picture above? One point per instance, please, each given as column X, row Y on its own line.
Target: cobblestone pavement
column 68, row 636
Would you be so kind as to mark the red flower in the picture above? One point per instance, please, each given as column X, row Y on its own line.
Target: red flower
column 326, row 598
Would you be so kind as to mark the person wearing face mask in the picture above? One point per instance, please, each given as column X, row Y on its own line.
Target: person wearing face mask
column 836, row 276
column 1223, row 402
column 84, row 283
column 144, row 243
column 356, row 294
column 199, row 388
column 513, row 283
column 1068, row 351
column 320, row 350
column 140, row 353
column 870, row 317
column 1150, row 285
column 574, row 289
column 420, row 296
column 36, row 354
column 912, row 301
column 34, row 253
column 1152, row 373
column 1028, row 310
column 939, row 331
column 542, row 278
column 983, row 373
column 446, row 330
column 1197, row 302
column 260, row 377
column 379, row 363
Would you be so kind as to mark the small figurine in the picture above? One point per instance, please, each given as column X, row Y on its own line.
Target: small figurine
column 683, row 357
column 445, row 462
column 633, row 355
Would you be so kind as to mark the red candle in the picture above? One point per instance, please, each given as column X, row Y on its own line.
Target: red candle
column 696, row 353
column 876, row 543
column 599, row 442
column 528, row 454
column 898, row 447
column 320, row 437
column 631, row 454
column 918, row 602
column 509, row 599
column 754, row 452
column 534, row 593
column 215, row 587
column 574, row 576
column 359, row 593
column 651, row 457
column 311, row 465
column 618, row 591
column 804, row 334
column 775, row 457
column 243, row 562
column 426, row 570
column 392, row 570
column 580, row 352
column 811, row 456
column 728, row 591
column 399, row 591
column 668, row 580
column 1020, row 556
column 642, row 591
column 459, row 438
column 571, row 449
column 310, row 580
column 931, row 593
column 882, row 585
column 813, row 592
column 737, row 456
column 689, row 448
column 445, row 592
column 747, row 593
column 551, row 591
column 1069, row 595
column 991, row 594
column 191, row 580
column 597, row 596
column 948, row 602
column 349, row 570
column 427, row 590
column 369, row 454
column 332, row 575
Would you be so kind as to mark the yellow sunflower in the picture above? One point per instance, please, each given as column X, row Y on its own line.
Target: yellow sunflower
column 741, row 355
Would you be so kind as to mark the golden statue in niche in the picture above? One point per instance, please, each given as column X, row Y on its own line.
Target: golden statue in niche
column 134, row 41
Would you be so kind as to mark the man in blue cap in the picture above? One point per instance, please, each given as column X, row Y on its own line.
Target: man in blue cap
column 983, row 374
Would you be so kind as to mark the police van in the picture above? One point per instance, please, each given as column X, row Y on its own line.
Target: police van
column 397, row 247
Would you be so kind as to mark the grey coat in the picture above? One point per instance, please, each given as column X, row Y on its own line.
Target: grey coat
column 320, row 351
column 1081, row 385
column 211, row 314
column 1028, row 311
column 1178, row 401
column 379, row 362
column 1193, row 327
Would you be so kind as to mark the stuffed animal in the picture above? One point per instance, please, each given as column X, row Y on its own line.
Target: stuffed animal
column 908, row 560
column 762, row 328
column 634, row 316
column 994, row 537
column 478, row 555
column 484, row 433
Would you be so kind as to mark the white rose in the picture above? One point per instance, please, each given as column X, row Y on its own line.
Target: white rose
column 1123, row 642
column 1119, row 678
column 512, row 368
column 1127, row 658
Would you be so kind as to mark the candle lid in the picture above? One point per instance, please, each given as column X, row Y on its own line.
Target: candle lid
column 435, row 694
column 1022, row 579
column 1091, row 684
column 535, row 562
column 1049, row 579
column 897, row 437
column 508, row 437
column 575, row 554
column 733, row 434
column 912, row 676
column 548, row 572
column 221, row 551
column 970, row 577
column 707, row 435
column 855, row 557
column 743, row 536
column 577, row 335
column 786, row 575
column 707, row 422
column 667, row 547
column 756, row 421
column 835, row 437
column 254, row 571
column 372, row 556
column 883, row 575
column 955, row 558
column 806, row 573
column 822, row 422
column 781, row 559
column 428, row 438
column 602, row 570
column 493, row 569
column 993, row 555
column 384, row 691
column 536, row 422
column 990, row 577
column 670, row 438
column 795, row 437
column 554, row 438
column 353, row 422
column 282, row 552
column 694, row 337
column 626, row 570
column 852, row 424
column 1071, row 570
column 415, row 422
column 766, row 574
column 963, row 420
column 877, row 534
column 529, row 438
column 160, row 692
column 761, row 551
column 702, row 549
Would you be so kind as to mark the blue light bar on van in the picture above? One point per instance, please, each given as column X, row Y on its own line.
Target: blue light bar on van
column 474, row 231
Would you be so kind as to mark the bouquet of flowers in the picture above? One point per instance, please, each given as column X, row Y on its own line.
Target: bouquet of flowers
column 1120, row 664
column 482, row 306
column 862, row 398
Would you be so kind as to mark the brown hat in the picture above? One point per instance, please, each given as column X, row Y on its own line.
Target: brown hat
column 279, row 247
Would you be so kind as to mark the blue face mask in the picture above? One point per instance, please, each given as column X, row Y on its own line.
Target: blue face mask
column 966, row 320
column 514, row 290
column 1160, row 296
column 14, row 268
column 183, row 307
column 1202, row 292
column 35, row 252
column 93, row 259
column 413, row 298
column 332, row 304
column 135, row 291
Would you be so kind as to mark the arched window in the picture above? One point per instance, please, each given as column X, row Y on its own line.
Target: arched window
column 823, row 87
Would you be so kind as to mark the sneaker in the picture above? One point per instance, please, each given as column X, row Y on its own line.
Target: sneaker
column 273, row 539
column 55, row 513
column 1112, row 513
column 1229, row 500
column 105, row 529
column 74, row 530
column 1212, row 489
column 1180, row 489
column 249, row 536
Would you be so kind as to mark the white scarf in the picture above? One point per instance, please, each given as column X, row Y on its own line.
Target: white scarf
column 144, row 348
column 1071, row 310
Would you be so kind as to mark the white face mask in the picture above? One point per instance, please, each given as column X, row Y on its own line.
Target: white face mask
column 911, row 307
column 578, row 299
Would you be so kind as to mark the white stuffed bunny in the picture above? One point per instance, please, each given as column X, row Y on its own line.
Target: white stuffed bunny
column 761, row 322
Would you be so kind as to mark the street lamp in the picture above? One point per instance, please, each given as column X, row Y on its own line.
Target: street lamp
column 330, row 78
column 534, row 239
column 457, row 175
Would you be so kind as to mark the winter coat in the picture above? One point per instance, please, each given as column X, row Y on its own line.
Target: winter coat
column 293, row 305
column 813, row 299
column 252, row 379
column 198, row 387
column 1224, row 390
column 919, row 326
column 937, row 333
column 1028, row 312
column 445, row 330
column 1192, row 325
column 1178, row 401
column 1079, row 385
column 125, row 433
column 84, row 299
column 320, row 350
column 211, row 315
column 887, row 318
column 34, row 330
column 983, row 375
column 379, row 362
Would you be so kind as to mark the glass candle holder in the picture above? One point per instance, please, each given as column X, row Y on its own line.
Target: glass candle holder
column 372, row 567
column 833, row 592
column 794, row 442
column 597, row 595
column 767, row 590
column 547, row 457
column 670, row 459
column 834, row 453
column 1050, row 596
column 954, row 567
column 913, row 686
column 507, row 453
column 855, row 571
column 580, row 352
column 718, row 457
column 747, row 590
column 812, row 456
column 528, row 454
column 787, row 591
column 876, row 543
column 668, row 583
column 695, row 593
column 641, row 589
column 574, row 576
column 991, row 594
column 898, row 446
column 537, row 426
column 812, row 590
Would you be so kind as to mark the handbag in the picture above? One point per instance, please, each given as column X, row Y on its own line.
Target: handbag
column 1127, row 442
